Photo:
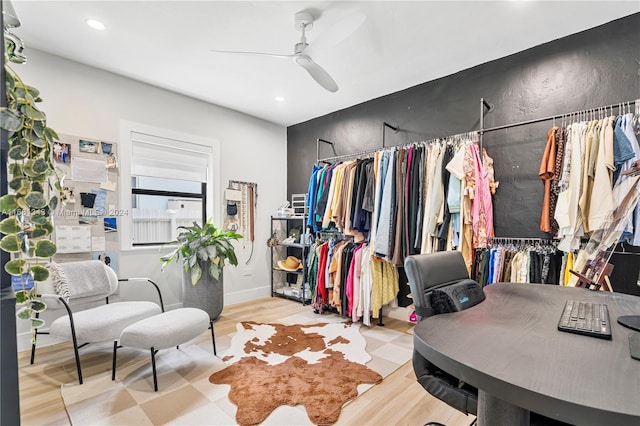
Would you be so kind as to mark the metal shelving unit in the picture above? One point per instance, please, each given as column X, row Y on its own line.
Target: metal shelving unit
column 289, row 284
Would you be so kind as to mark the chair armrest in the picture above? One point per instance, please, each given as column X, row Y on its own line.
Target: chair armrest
column 49, row 298
column 148, row 280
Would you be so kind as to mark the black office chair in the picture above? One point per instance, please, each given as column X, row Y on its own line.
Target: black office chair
column 426, row 273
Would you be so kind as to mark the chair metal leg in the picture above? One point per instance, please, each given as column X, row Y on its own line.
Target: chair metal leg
column 153, row 366
column 33, row 344
column 113, row 366
column 213, row 337
column 73, row 336
column 77, row 354
column 75, row 348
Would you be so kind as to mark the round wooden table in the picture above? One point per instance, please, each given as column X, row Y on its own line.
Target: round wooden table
column 509, row 347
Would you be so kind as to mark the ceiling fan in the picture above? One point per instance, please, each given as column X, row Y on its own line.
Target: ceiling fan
column 303, row 22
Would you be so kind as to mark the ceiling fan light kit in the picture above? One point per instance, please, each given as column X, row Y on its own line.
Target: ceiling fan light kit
column 303, row 21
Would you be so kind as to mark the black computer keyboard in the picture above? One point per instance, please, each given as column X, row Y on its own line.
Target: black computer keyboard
column 590, row 319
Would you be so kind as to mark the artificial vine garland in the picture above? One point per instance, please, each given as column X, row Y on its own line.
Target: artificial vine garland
column 35, row 189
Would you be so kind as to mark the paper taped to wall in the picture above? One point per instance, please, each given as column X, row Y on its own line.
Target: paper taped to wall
column 84, row 170
column 98, row 244
column 73, row 239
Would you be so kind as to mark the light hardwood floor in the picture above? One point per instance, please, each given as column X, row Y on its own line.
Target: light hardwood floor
column 398, row 400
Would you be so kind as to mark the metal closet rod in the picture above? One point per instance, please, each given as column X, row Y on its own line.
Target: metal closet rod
column 385, row 125
column 483, row 105
column 318, row 141
column 534, row 239
column 373, row 151
column 553, row 117
column 353, row 154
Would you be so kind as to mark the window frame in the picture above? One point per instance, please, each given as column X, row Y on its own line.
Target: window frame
column 201, row 196
column 210, row 188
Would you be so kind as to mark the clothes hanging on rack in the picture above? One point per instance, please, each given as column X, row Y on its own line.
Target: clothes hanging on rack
column 412, row 199
column 517, row 261
column 395, row 202
column 385, row 284
column 344, row 278
column 629, row 126
column 580, row 167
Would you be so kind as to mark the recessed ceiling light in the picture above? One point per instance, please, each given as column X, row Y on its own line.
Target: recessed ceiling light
column 279, row 98
column 96, row 25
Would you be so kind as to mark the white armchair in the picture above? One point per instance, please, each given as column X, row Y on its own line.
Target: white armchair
column 72, row 286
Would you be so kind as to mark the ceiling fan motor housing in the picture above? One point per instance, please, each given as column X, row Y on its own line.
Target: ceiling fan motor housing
column 303, row 20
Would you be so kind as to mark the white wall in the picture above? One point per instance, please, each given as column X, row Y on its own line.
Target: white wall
column 84, row 101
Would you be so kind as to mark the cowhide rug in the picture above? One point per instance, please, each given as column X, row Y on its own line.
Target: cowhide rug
column 326, row 369
column 318, row 366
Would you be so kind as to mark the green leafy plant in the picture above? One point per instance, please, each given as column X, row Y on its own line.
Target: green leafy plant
column 34, row 190
column 203, row 243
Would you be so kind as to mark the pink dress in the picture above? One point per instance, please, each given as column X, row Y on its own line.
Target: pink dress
column 354, row 300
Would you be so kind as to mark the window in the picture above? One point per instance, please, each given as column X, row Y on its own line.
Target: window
column 169, row 180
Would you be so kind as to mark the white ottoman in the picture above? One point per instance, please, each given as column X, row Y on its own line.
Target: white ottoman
column 163, row 331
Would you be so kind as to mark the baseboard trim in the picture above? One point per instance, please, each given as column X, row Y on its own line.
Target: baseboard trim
column 246, row 295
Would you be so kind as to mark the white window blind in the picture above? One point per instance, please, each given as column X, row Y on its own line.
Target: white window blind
column 169, row 158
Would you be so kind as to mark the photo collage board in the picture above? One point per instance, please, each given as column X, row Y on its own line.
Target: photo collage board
column 86, row 221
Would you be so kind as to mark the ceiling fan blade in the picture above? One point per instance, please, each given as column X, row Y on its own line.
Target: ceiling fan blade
column 271, row 55
column 317, row 72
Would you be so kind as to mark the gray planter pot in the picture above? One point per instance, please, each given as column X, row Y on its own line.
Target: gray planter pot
column 207, row 294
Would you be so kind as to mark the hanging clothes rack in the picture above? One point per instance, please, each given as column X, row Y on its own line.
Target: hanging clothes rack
column 546, row 244
column 489, row 107
column 320, row 140
column 347, row 156
column 513, row 240
column 360, row 154
column 584, row 112
column 506, row 239
column 385, row 126
column 485, row 108
column 319, row 160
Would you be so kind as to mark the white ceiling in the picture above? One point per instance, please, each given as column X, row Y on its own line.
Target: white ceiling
column 389, row 45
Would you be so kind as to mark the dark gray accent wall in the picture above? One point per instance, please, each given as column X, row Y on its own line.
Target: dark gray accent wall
column 597, row 67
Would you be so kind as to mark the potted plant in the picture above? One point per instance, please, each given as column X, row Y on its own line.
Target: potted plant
column 204, row 251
